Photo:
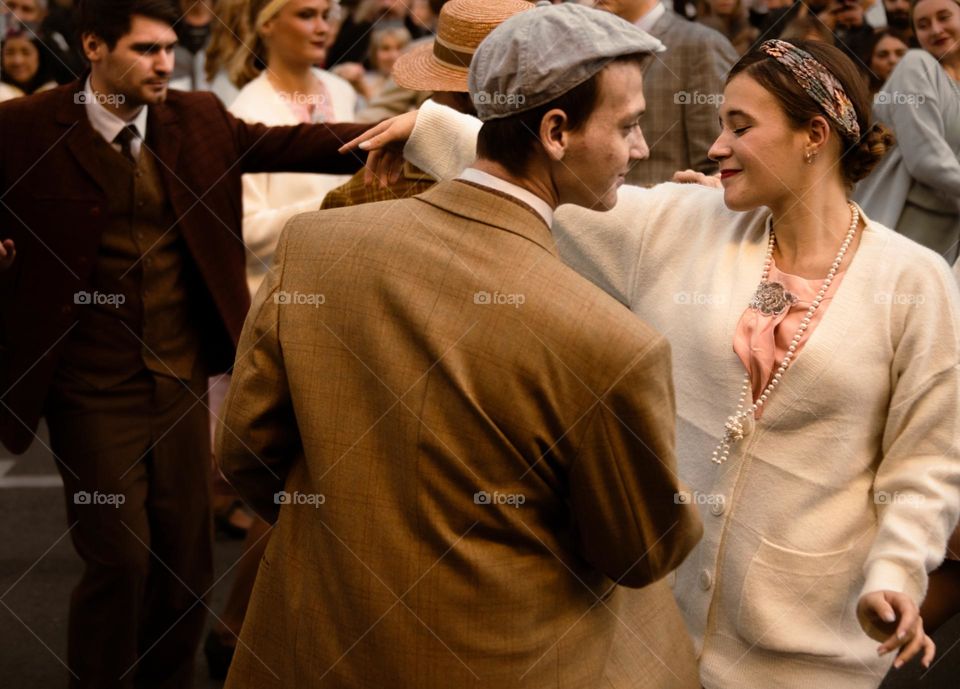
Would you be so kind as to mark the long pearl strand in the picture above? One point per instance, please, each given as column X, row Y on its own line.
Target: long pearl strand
column 733, row 428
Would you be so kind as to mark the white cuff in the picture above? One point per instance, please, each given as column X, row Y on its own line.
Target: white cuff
column 443, row 142
column 884, row 575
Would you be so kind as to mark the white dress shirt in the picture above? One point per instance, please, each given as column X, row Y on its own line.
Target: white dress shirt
column 485, row 179
column 647, row 21
column 108, row 125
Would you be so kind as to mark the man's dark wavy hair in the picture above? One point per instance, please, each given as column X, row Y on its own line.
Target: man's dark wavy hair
column 110, row 20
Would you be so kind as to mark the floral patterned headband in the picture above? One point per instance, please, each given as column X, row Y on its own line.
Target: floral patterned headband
column 818, row 82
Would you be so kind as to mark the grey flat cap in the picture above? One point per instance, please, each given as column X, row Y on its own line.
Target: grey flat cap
column 538, row 55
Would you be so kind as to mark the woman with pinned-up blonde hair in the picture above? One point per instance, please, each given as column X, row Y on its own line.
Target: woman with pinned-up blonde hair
column 280, row 85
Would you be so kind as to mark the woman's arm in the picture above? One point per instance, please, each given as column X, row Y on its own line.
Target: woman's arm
column 443, row 142
column 264, row 214
column 917, row 485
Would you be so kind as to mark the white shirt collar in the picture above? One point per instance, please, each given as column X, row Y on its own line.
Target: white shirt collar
column 108, row 125
column 485, row 179
column 647, row 21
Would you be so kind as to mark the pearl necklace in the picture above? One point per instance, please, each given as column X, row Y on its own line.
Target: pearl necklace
column 772, row 299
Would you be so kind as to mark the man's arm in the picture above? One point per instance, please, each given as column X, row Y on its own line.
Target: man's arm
column 258, row 438
column 298, row 148
column 633, row 523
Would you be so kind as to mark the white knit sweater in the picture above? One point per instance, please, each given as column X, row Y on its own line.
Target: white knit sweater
column 849, row 483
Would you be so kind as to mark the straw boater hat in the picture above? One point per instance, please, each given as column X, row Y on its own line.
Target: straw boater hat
column 443, row 64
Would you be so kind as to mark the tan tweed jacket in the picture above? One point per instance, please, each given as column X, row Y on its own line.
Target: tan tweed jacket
column 473, row 443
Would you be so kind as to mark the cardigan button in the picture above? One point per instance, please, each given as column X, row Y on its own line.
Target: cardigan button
column 706, row 580
column 719, row 506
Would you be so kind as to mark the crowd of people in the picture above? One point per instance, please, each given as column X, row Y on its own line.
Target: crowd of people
column 346, row 281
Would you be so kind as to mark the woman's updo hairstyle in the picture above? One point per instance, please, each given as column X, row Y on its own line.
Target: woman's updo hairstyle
column 857, row 157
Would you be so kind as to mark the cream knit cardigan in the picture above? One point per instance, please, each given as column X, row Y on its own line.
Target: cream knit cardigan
column 849, row 483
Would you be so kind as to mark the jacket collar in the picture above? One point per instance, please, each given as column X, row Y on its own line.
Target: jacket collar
column 163, row 134
column 490, row 208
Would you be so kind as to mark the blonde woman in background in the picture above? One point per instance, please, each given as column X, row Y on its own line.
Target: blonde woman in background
column 386, row 45
column 280, row 85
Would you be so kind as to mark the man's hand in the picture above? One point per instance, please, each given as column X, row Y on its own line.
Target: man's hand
column 694, row 177
column 893, row 619
column 7, row 253
column 385, row 143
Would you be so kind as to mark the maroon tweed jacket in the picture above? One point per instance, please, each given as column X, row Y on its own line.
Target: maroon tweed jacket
column 52, row 196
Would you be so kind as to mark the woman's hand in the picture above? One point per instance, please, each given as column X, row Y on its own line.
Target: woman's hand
column 893, row 619
column 7, row 253
column 385, row 143
column 694, row 177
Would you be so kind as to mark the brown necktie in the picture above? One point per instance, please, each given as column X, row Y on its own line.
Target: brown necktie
column 124, row 138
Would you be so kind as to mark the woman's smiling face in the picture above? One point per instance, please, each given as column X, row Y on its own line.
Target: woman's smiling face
column 759, row 151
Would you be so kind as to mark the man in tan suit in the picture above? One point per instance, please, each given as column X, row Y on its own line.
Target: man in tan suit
column 467, row 448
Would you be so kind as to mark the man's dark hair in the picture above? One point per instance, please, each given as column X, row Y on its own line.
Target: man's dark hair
column 109, row 20
column 512, row 141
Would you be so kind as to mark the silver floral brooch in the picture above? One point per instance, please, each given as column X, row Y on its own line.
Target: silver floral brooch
column 772, row 299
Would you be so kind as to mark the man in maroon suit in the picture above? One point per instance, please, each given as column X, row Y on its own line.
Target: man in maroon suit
column 122, row 202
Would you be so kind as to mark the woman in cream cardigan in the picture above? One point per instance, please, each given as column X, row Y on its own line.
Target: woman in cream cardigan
column 816, row 364
column 280, row 86
column 916, row 189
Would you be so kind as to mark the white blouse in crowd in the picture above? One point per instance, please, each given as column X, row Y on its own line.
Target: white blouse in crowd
column 270, row 199
column 849, row 482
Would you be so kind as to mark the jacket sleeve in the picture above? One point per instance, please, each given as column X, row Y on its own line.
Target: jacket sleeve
column 633, row 523
column 258, row 438
column 297, row 148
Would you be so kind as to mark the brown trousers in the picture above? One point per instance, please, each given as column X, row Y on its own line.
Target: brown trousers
column 135, row 462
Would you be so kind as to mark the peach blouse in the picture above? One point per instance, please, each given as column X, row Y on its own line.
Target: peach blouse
column 761, row 341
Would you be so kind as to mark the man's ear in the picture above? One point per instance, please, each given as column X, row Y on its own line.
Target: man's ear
column 553, row 133
column 94, row 48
